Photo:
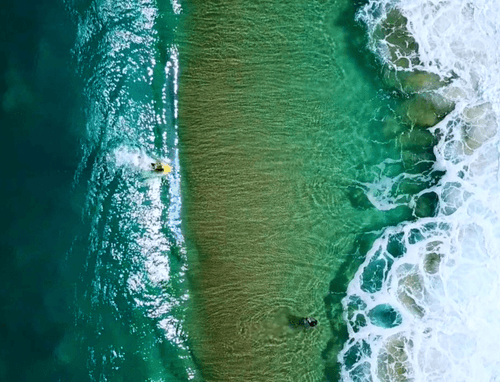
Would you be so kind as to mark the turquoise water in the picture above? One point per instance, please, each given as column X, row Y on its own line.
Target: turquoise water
column 288, row 134
column 423, row 305
column 280, row 131
column 93, row 266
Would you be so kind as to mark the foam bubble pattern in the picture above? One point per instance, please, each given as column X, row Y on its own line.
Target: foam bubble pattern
column 424, row 306
column 133, row 158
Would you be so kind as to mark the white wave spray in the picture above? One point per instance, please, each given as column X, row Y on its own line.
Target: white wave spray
column 424, row 305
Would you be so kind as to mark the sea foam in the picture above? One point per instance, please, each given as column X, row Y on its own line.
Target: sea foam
column 133, row 158
column 424, row 306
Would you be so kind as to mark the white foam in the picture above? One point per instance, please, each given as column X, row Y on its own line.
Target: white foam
column 133, row 158
column 446, row 284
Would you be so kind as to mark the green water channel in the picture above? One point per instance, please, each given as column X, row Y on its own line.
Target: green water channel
column 282, row 110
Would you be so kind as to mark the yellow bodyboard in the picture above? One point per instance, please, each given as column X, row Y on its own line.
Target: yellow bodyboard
column 166, row 168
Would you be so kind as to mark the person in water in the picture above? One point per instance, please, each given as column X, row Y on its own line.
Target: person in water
column 308, row 322
column 302, row 322
column 157, row 166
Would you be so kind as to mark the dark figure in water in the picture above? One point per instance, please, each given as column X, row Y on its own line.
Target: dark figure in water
column 302, row 322
column 157, row 167
column 308, row 322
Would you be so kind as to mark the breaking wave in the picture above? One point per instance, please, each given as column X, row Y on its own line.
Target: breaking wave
column 424, row 304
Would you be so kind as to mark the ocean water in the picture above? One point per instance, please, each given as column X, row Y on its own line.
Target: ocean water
column 288, row 134
column 423, row 305
column 93, row 259
column 330, row 158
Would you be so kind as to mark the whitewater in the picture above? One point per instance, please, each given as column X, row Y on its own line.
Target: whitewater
column 424, row 305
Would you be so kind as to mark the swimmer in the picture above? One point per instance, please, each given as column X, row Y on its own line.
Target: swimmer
column 157, row 166
column 308, row 322
column 302, row 322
